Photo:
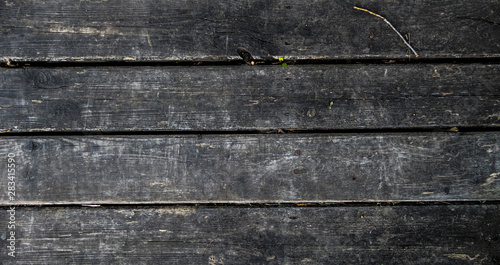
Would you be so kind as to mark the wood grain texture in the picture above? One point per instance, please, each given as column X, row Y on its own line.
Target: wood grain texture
column 224, row 98
column 254, row 168
column 56, row 30
column 196, row 235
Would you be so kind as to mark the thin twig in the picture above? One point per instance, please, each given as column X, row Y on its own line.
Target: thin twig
column 203, row 253
column 408, row 38
column 386, row 21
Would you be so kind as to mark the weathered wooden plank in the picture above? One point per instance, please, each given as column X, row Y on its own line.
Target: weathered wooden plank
column 467, row 234
column 252, row 168
column 56, row 30
column 223, row 98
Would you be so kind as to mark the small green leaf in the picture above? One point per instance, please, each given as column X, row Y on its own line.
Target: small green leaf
column 281, row 59
column 331, row 104
column 284, row 64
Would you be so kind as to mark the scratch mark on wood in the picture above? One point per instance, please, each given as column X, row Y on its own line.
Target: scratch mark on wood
column 369, row 221
column 442, row 94
column 205, row 144
column 227, row 43
column 149, row 40
column 491, row 147
column 493, row 116
column 253, row 102
column 491, row 22
column 491, row 179
column 84, row 30
column 157, row 184
column 181, row 211
column 461, row 256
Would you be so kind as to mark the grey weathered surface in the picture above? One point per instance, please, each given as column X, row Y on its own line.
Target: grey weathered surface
column 254, row 168
column 467, row 234
column 320, row 169
column 57, row 30
column 225, row 98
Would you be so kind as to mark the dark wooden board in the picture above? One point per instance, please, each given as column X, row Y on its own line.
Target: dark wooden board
column 467, row 234
column 224, row 98
column 177, row 30
column 253, row 168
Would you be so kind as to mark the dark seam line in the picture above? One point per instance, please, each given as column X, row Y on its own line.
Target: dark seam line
column 409, row 61
column 301, row 204
column 254, row 132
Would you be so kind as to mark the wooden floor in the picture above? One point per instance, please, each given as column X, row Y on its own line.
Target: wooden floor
column 249, row 132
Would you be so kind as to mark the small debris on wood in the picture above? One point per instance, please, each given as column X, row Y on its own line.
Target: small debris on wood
column 246, row 55
column 8, row 63
column 389, row 23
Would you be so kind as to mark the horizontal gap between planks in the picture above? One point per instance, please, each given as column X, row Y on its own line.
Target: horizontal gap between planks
column 252, row 132
column 271, row 61
column 246, row 204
